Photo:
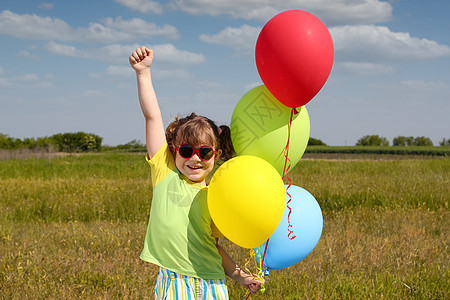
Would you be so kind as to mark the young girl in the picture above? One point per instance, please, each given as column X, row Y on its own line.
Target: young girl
column 181, row 237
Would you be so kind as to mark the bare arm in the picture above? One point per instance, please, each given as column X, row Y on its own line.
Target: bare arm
column 140, row 61
column 235, row 272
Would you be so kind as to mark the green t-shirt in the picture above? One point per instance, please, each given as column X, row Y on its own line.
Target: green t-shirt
column 180, row 233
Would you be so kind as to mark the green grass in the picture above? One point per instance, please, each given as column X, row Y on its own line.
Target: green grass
column 73, row 227
column 376, row 183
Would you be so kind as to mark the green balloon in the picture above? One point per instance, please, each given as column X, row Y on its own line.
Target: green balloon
column 260, row 127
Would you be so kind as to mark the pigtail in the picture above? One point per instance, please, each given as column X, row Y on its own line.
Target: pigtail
column 223, row 138
column 225, row 143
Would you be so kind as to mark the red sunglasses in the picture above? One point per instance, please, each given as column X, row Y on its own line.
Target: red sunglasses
column 205, row 152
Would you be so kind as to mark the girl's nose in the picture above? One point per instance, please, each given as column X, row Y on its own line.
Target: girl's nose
column 195, row 157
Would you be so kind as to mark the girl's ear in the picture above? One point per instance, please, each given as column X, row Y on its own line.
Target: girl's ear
column 217, row 155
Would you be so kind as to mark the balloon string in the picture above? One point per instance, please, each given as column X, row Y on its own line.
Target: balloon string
column 260, row 268
column 287, row 166
column 245, row 265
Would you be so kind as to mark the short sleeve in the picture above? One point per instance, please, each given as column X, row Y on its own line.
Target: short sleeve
column 162, row 163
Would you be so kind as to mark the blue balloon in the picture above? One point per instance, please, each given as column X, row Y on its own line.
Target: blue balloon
column 307, row 223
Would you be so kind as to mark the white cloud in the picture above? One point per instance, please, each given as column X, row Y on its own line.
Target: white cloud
column 27, row 81
column 142, row 28
column 241, row 39
column 332, row 12
column 142, row 6
column 340, row 12
column 115, row 53
column 248, row 9
column 36, row 27
column 365, row 68
column 26, row 54
column 65, row 50
column 100, row 33
column 370, row 42
column 31, row 77
column 117, row 30
column 165, row 54
column 168, row 53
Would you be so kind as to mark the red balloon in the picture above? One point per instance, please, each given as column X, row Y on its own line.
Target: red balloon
column 294, row 56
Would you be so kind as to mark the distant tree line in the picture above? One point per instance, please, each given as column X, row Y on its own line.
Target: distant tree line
column 315, row 142
column 85, row 142
column 62, row 142
column 376, row 140
column 133, row 146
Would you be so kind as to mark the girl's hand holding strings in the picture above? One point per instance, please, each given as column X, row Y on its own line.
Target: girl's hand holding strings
column 250, row 282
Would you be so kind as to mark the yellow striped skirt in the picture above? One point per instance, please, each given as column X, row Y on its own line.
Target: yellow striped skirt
column 171, row 285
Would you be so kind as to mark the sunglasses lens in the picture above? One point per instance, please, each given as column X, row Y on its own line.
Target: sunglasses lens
column 205, row 152
column 186, row 151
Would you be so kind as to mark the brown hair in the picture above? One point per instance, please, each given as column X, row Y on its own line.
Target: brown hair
column 197, row 130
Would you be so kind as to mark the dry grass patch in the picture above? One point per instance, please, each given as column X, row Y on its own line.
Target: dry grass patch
column 362, row 254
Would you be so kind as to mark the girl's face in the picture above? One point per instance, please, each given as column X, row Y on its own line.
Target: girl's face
column 194, row 168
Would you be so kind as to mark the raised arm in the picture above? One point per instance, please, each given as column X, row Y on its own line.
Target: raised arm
column 141, row 61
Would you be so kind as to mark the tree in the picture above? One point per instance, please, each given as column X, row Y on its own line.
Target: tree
column 7, row 142
column 422, row 141
column 133, row 145
column 77, row 142
column 403, row 141
column 315, row 142
column 444, row 142
column 65, row 142
column 372, row 140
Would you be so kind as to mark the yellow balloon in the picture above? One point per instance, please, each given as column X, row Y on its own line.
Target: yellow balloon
column 246, row 200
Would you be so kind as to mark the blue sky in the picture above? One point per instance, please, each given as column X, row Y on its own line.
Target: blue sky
column 64, row 65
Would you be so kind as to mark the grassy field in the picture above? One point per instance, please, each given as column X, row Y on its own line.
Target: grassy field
column 72, row 227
